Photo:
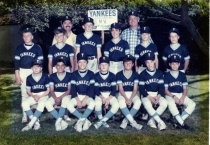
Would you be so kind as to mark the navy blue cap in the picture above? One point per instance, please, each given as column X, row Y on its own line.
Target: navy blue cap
column 174, row 58
column 60, row 59
column 149, row 56
column 145, row 29
column 133, row 13
column 27, row 29
column 66, row 18
column 88, row 19
column 115, row 25
column 82, row 56
column 174, row 30
column 37, row 62
column 129, row 58
column 59, row 30
column 103, row 59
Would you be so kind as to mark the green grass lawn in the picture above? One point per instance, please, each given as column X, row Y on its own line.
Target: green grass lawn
column 10, row 126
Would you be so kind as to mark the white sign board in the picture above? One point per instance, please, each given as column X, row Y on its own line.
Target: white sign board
column 103, row 18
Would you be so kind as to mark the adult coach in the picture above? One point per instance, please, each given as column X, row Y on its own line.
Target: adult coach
column 70, row 37
column 132, row 34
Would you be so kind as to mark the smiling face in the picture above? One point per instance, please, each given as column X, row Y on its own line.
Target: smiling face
column 145, row 36
column 67, row 25
column 27, row 37
column 104, row 67
column 133, row 21
column 174, row 66
column 88, row 27
column 60, row 66
column 174, row 37
column 59, row 37
column 36, row 69
column 115, row 33
column 150, row 65
column 128, row 65
column 82, row 65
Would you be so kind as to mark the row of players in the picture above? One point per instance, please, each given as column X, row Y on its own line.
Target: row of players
column 83, row 88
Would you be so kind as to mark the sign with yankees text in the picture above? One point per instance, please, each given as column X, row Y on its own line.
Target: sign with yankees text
column 103, row 18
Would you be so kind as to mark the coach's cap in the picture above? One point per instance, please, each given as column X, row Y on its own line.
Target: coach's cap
column 174, row 30
column 129, row 58
column 66, row 18
column 174, row 58
column 133, row 13
column 115, row 26
column 82, row 56
column 149, row 56
column 103, row 59
column 60, row 59
column 59, row 30
column 37, row 62
column 145, row 29
column 88, row 19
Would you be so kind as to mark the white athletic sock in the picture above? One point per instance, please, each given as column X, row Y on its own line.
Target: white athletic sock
column 184, row 115
column 33, row 120
column 129, row 117
column 100, row 117
column 179, row 119
column 157, row 118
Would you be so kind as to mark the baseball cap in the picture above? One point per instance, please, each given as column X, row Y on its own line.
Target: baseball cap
column 145, row 29
column 66, row 18
column 60, row 59
column 27, row 29
column 149, row 56
column 133, row 13
column 88, row 19
column 174, row 30
column 82, row 56
column 103, row 59
column 174, row 58
column 59, row 30
column 37, row 62
column 129, row 58
column 115, row 25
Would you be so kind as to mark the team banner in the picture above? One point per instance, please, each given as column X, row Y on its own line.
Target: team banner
column 103, row 18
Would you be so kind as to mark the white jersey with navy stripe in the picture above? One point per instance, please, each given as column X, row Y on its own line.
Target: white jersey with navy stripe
column 151, row 82
column 88, row 46
column 175, row 84
column 37, row 86
column 116, row 51
column 24, row 57
column 82, row 84
column 127, row 83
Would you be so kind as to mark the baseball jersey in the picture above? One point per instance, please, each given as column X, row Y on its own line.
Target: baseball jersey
column 24, row 57
column 140, row 51
column 88, row 46
column 82, row 84
column 105, row 83
column 65, row 53
column 175, row 85
column 60, row 85
column 36, row 86
column 116, row 52
column 181, row 51
column 151, row 82
column 127, row 83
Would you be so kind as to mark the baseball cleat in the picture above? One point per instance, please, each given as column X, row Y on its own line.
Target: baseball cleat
column 124, row 123
column 58, row 124
column 86, row 125
column 144, row 116
column 106, row 125
column 37, row 125
column 24, row 118
column 78, row 125
column 136, row 125
column 67, row 118
column 152, row 123
column 26, row 128
column 161, row 126
column 64, row 125
column 98, row 124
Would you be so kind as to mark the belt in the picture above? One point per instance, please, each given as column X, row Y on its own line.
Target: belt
column 91, row 57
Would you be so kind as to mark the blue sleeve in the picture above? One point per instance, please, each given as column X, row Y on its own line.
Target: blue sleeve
column 96, row 86
column 28, row 84
column 40, row 53
column 166, row 83
column 47, row 81
column 17, row 59
column 136, row 54
column 186, row 54
column 73, row 90
column 155, row 49
column 161, row 89
column 50, row 53
column 78, row 41
column 164, row 57
column 91, row 89
column 142, row 88
column 106, row 49
column 184, row 80
column 113, row 86
column 127, row 50
column 98, row 42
